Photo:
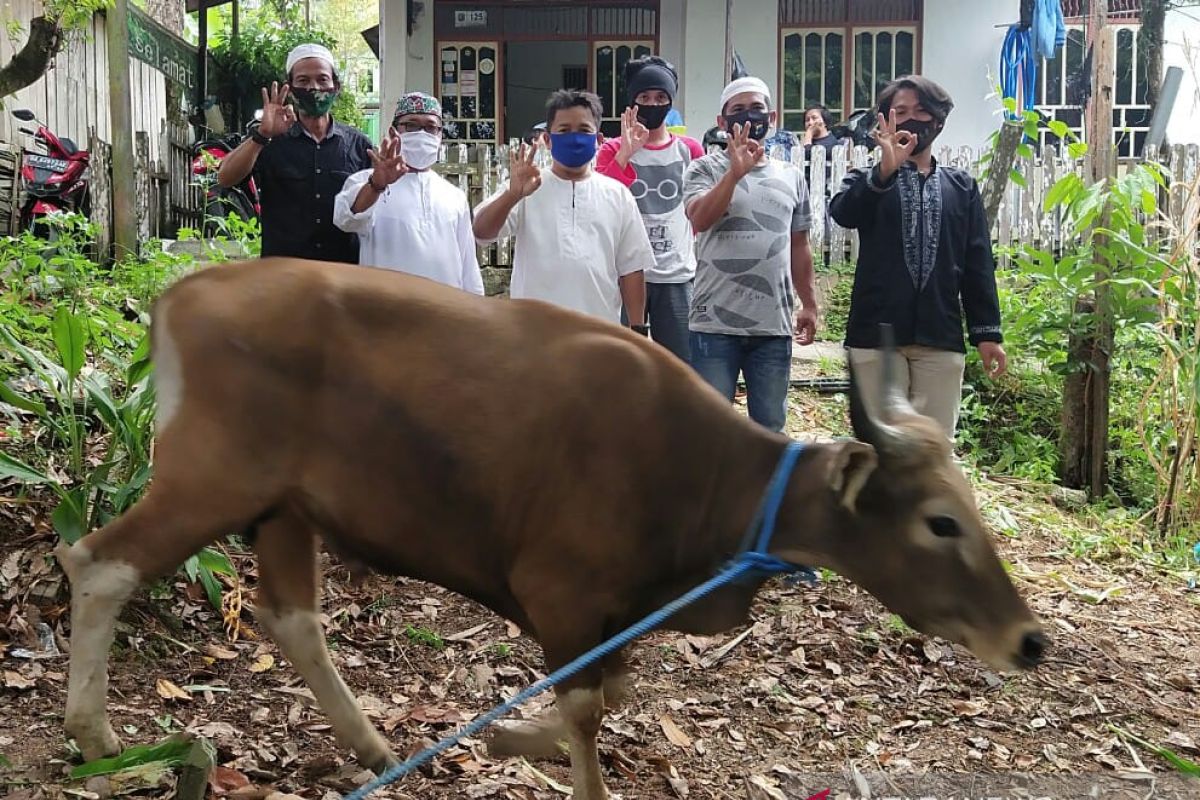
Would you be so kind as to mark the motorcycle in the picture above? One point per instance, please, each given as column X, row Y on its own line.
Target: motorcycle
column 219, row 201
column 55, row 179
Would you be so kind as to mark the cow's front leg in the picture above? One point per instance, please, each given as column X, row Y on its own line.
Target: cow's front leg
column 98, row 591
column 582, row 712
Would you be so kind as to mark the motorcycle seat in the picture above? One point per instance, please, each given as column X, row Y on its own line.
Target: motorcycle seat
column 69, row 146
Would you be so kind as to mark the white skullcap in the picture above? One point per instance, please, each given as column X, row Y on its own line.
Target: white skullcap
column 309, row 51
column 742, row 85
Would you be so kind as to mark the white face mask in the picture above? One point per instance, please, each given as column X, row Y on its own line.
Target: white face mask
column 420, row 149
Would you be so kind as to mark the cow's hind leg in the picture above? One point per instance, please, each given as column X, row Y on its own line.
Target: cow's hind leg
column 288, row 607
column 582, row 709
column 545, row 737
column 150, row 540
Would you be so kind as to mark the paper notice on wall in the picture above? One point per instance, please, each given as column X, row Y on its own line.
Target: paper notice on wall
column 470, row 81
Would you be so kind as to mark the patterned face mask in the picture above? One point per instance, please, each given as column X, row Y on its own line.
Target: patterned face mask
column 315, row 102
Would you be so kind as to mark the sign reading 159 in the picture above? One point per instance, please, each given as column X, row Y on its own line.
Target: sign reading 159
column 470, row 19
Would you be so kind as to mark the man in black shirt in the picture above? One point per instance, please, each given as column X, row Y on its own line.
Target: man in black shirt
column 300, row 158
column 925, row 258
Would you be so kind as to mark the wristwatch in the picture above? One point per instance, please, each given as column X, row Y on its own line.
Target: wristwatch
column 641, row 330
column 259, row 138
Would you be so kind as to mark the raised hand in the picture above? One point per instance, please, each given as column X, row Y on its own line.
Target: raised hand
column 633, row 134
column 388, row 164
column 744, row 153
column 896, row 145
column 277, row 118
column 524, row 177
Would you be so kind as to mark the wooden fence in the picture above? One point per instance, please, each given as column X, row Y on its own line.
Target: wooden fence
column 478, row 171
column 10, row 203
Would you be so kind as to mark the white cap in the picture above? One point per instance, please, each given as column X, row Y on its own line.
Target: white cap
column 309, row 51
column 742, row 85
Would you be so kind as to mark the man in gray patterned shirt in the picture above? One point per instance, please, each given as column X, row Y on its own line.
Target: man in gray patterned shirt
column 751, row 215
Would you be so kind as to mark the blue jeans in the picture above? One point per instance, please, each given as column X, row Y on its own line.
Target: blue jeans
column 667, row 309
column 765, row 361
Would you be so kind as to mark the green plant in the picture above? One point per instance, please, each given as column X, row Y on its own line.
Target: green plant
column 75, row 374
column 423, row 635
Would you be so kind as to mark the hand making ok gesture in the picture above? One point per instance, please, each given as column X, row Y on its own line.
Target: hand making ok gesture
column 633, row 135
column 897, row 146
column 744, row 153
column 277, row 118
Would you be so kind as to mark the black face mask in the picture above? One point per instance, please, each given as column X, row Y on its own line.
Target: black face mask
column 653, row 116
column 925, row 131
column 759, row 122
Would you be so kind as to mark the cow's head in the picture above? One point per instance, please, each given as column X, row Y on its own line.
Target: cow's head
column 905, row 527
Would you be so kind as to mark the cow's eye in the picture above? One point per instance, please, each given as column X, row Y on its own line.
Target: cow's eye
column 944, row 526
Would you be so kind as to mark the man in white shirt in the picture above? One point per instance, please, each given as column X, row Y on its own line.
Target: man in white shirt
column 409, row 218
column 580, row 242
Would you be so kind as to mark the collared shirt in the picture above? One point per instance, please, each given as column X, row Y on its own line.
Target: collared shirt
column 575, row 241
column 421, row 225
column 925, row 258
column 298, row 178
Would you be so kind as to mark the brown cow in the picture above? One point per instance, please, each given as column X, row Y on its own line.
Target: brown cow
column 566, row 473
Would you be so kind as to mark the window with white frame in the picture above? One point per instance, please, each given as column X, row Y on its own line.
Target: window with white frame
column 830, row 65
column 840, row 53
column 1062, row 82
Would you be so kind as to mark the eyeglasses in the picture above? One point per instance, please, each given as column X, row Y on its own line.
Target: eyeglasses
column 433, row 129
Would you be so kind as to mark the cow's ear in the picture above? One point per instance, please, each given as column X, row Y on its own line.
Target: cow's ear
column 851, row 467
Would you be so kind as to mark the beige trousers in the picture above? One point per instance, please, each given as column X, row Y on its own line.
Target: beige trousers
column 931, row 378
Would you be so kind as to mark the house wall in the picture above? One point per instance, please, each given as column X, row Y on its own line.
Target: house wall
column 703, row 42
column 1181, row 32
column 672, row 27
column 755, row 38
column 422, row 65
column 960, row 49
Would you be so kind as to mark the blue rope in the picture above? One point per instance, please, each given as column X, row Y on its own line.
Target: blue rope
column 1018, row 56
column 756, row 561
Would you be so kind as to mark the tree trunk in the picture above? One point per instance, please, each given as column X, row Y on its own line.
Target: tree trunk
column 1005, row 155
column 30, row 64
column 1073, row 445
column 1150, row 47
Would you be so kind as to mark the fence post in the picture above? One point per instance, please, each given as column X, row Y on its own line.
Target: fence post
column 116, row 33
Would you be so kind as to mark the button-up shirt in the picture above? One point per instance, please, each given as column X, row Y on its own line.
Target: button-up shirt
column 298, row 178
column 924, row 259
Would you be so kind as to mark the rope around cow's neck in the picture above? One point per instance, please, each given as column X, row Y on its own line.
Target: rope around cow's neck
column 756, row 561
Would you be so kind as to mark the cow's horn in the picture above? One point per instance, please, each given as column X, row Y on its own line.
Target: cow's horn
column 881, row 434
column 894, row 400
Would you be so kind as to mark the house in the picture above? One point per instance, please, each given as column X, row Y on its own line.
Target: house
column 492, row 63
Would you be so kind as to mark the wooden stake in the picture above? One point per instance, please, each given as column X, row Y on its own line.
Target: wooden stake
column 1101, row 169
column 124, row 184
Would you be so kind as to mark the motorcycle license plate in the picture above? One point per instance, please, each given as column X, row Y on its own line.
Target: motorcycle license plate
column 46, row 162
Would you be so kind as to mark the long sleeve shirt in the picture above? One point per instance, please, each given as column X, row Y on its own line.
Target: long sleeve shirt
column 925, row 258
column 421, row 225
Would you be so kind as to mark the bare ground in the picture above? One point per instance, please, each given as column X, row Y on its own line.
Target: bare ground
column 824, row 682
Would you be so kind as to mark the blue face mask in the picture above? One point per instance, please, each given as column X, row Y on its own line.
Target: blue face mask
column 573, row 149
